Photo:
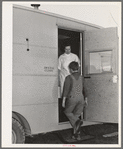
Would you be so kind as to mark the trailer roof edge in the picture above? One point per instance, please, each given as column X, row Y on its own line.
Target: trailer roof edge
column 57, row 15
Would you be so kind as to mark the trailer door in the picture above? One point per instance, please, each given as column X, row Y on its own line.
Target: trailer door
column 100, row 68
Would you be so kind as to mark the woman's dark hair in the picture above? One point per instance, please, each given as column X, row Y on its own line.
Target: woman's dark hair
column 74, row 66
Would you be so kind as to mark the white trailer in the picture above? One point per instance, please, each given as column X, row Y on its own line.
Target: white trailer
column 38, row 39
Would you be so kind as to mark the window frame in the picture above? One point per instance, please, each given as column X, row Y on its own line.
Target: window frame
column 100, row 52
column 87, row 72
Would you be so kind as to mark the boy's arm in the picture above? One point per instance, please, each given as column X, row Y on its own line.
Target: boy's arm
column 84, row 92
column 66, row 89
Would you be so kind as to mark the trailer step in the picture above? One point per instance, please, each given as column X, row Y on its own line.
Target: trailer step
column 70, row 140
column 87, row 137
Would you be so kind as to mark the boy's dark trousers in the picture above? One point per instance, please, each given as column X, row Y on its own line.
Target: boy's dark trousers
column 73, row 109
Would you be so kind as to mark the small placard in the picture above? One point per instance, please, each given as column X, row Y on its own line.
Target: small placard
column 48, row 69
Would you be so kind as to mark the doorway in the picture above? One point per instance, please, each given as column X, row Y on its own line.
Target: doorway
column 72, row 38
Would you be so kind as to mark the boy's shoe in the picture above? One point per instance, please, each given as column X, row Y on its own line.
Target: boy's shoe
column 76, row 137
column 79, row 137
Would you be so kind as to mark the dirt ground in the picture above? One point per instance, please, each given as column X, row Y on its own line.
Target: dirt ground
column 90, row 135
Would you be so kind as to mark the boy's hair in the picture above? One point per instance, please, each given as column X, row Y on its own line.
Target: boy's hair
column 74, row 66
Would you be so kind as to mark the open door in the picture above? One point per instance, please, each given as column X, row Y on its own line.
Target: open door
column 101, row 74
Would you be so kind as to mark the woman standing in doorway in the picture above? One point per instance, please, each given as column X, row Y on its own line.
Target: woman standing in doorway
column 63, row 63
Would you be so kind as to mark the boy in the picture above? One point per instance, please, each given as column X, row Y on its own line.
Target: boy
column 75, row 102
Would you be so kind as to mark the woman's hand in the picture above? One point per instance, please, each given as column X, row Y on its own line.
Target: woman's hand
column 86, row 101
column 59, row 83
column 63, row 102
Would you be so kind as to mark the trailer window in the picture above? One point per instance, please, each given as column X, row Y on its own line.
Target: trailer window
column 100, row 62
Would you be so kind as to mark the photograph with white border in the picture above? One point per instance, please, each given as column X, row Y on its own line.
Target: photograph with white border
column 35, row 38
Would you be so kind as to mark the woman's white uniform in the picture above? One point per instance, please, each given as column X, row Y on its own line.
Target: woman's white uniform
column 63, row 63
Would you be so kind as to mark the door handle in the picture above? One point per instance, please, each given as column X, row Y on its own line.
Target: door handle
column 115, row 78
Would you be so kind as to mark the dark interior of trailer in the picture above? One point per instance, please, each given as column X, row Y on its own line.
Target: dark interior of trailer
column 72, row 38
column 67, row 37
